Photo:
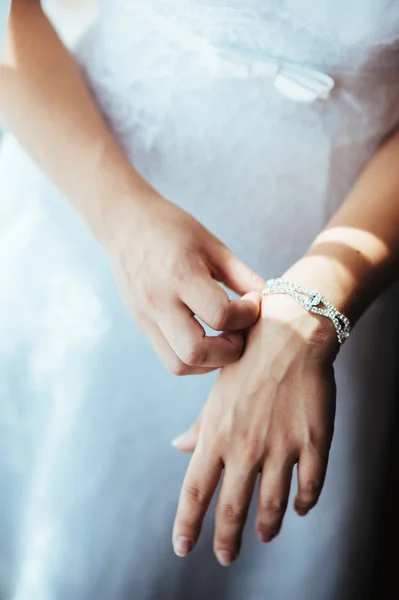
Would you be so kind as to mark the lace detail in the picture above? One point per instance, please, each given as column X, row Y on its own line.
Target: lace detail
column 139, row 78
column 341, row 35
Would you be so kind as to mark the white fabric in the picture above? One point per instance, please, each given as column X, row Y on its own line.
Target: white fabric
column 88, row 479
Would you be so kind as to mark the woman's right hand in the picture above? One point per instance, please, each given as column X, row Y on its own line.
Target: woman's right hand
column 164, row 261
column 167, row 266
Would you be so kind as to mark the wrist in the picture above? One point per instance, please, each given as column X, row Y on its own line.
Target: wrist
column 122, row 199
column 349, row 266
column 314, row 335
column 329, row 278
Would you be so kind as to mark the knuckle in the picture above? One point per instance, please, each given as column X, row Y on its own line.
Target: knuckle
column 284, row 444
column 150, row 296
column 194, row 354
column 177, row 272
column 195, row 495
column 219, row 319
column 252, row 454
column 179, row 368
column 232, row 514
column 274, row 506
column 315, row 442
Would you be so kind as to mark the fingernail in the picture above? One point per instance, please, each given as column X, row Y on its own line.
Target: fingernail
column 182, row 546
column 176, row 442
column 183, row 438
column 225, row 557
column 265, row 538
column 302, row 511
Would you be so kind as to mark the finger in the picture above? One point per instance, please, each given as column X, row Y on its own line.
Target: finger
column 312, row 468
column 198, row 488
column 187, row 441
column 166, row 354
column 274, row 490
column 235, row 274
column 209, row 301
column 243, row 313
column 231, row 511
column 188, row 340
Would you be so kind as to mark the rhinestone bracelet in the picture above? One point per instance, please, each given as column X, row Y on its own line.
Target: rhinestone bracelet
column 313, row 302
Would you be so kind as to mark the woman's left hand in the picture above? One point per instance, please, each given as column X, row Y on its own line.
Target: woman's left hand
column 272, row 409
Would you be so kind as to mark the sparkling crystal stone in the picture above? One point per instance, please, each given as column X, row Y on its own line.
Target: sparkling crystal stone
column 314, row 299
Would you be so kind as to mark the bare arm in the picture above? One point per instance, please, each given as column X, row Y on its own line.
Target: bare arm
column 275, row 407
column 357, row 255
column 152, row 244
column 45, row 102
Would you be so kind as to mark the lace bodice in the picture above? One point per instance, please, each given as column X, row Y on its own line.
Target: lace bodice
column 340, row 34
column 138, row 43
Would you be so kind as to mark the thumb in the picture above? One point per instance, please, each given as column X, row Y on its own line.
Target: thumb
column 236, row 275
column 187, row 441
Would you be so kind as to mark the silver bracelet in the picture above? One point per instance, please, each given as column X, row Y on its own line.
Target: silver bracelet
column 313, row 302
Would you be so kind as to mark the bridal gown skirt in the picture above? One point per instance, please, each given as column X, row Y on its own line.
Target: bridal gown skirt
column 88, row 479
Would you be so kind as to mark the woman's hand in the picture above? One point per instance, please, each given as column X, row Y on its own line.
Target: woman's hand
column 272, row 409
column 165, row 262
column 166, row 265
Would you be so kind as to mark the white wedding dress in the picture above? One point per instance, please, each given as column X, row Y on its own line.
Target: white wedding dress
column 88, row 479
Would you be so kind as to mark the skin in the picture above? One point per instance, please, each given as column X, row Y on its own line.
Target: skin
column 274, row 407
column 262, row 415
column 45, row 102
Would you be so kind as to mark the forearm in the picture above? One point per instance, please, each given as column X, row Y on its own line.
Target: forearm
column 45, row 103
column 356, row 256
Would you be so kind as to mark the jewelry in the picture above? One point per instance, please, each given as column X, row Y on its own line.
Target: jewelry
column 313, row 302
